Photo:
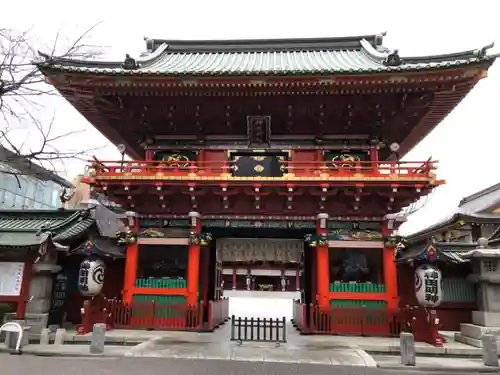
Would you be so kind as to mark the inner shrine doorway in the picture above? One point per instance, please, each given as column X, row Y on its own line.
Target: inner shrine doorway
column 262, row 270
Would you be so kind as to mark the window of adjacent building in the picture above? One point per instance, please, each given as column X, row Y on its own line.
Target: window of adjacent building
column 19, row 201
column 47, row 195
column 30, row 189
column 29, row 203
column 56, row 202
column 9, row 199
column 10, row 182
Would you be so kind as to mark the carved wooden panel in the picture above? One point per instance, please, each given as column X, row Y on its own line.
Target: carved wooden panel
column 260, row 249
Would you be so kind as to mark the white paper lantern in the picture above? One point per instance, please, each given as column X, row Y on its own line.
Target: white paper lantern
column 428, row 285
column 91, row 277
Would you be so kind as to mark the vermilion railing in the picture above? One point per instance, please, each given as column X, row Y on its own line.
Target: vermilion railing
column 217, row 168
column 148, row 315
column 218, row 313
column 346, row 321
column 176, row 316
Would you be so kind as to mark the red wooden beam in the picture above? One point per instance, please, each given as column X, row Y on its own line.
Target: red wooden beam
column 161, row 291
column 357, row 296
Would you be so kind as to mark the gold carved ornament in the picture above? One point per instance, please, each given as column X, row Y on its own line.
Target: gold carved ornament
column 345, row 161
column 281, row 159
column 258, row 158
column 177, row 160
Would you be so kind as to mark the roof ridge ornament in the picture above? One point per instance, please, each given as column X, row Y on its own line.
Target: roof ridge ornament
column 379, row 38
column 393, row 59
column 481, row 52
column 130, row 63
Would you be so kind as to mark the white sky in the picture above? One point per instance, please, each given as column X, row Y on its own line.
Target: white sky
column 466, row 143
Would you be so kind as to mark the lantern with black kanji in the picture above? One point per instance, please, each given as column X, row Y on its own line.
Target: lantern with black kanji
column 428, row 285
column 91, row 277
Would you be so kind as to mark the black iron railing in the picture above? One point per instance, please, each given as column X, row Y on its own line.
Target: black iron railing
column 258, row 329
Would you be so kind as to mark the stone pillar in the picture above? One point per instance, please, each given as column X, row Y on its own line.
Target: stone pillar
column 486, row 320
column 234, row 279
column 40, row 293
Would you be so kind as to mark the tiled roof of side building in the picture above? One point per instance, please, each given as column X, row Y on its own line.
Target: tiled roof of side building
column 31, row 228
column 346, row 55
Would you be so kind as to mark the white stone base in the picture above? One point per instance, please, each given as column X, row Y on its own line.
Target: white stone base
column 471, row 334
column 486, row 318
column 36, row 322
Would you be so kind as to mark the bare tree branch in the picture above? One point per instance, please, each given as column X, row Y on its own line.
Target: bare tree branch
column 22, row 89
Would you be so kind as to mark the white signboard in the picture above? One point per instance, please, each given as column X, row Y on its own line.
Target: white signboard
column 11, row 278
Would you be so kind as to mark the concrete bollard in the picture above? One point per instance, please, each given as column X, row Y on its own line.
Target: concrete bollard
column 60, row 336
column 45, row 336
column 490, row 350
column 407, row 347
column 98, row 338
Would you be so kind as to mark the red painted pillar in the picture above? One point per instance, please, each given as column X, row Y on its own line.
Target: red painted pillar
column 25, row 286
column 203, row 273
column 131, row 262
column 193, row 259
column 322, row 261
column 234, row 279
column 283, row 280
column 297, row 280
column 390, row 273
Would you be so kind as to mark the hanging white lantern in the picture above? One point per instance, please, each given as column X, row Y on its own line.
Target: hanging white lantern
column 428, row 285
column 91, row 277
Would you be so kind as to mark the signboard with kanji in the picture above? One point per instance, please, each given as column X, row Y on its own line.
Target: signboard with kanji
column 11, row 278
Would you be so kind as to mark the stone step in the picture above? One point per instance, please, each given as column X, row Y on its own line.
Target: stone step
column 476, row 331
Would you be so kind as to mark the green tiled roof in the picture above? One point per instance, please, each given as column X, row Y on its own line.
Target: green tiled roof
column 364, row 54
column 450, row 252
column 30, row 228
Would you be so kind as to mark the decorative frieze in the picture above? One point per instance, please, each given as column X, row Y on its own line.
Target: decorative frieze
column 261, row 249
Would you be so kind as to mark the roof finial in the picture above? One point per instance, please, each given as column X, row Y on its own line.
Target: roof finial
column 379, row 38
column 482, row 51
column 130, row 63
column 393, row 59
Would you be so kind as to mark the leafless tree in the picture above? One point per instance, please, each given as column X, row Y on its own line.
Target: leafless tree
column 22, row 92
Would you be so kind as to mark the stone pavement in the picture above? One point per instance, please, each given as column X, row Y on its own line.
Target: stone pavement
column 254, row 352
column 384, row 345
column 325, row 350
column 32, row 365
column 435, row 363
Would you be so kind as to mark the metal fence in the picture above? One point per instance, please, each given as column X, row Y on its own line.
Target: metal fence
column 258, row 329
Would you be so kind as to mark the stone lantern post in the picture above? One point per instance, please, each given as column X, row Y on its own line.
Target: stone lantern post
column 486, row 274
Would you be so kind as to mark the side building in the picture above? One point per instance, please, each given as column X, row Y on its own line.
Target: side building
column 451, row 246
column 26, row 185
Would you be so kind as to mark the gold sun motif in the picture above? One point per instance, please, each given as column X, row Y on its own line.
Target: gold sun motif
column 258, row 168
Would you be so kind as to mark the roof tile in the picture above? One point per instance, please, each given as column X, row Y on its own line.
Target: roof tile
column 268, row 57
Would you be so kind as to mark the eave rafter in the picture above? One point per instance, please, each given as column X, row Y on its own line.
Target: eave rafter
column 59, row 79
column 91, row 95
column 257, row 197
